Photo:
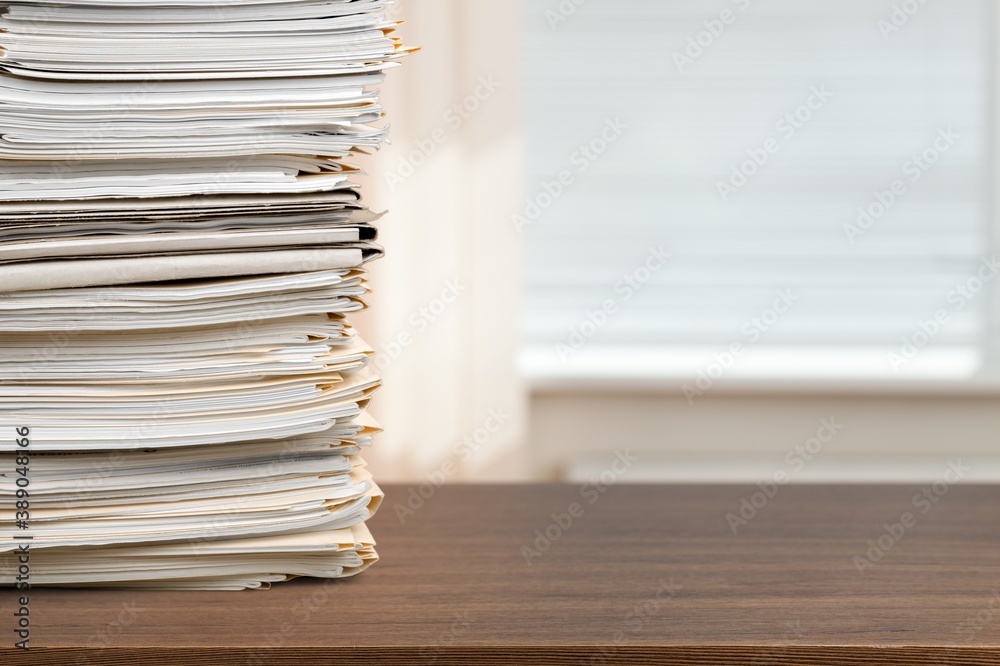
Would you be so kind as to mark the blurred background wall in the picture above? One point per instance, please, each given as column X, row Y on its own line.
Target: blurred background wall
column 732, row 238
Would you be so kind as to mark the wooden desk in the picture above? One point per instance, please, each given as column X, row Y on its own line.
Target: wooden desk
column 645, row 574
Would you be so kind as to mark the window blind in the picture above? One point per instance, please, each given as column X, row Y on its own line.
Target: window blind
column 837, row 155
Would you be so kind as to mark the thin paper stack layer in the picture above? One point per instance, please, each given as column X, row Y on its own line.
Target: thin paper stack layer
column 181, row 250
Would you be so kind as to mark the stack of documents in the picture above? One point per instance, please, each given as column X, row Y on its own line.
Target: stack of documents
column 182, row 394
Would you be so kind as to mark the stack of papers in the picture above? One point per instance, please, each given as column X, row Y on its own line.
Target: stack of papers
column 181, row 249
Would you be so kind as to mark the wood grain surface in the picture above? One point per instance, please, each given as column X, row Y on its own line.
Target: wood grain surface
column 631, row 575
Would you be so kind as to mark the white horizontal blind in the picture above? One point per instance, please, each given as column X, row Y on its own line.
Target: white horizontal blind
column 867, row 91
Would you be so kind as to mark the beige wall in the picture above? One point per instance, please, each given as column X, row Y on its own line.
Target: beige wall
column 746, row 437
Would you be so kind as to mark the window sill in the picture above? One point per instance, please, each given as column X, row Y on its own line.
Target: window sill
column 853, row 370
